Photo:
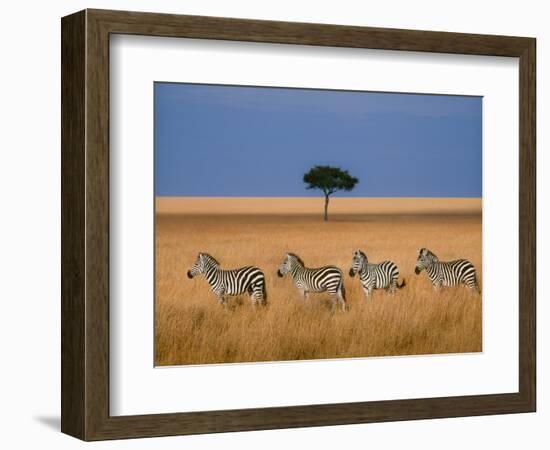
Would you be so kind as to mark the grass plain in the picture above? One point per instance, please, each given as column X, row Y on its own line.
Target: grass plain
column 191, row 328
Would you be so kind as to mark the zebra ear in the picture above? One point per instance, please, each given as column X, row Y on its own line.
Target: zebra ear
column 423, row 251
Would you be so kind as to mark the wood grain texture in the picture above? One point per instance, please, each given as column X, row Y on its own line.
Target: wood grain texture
column 85, row 224
column 97, row 225
column 72, row 224
column 527, row 224
column 151, row 24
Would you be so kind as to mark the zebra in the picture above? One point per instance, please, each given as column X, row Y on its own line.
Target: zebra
column 449, row 273
column 322, row 279
column 383, row 275
column 230, row 282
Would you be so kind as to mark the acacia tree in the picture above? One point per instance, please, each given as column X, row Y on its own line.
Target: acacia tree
column 329, row 180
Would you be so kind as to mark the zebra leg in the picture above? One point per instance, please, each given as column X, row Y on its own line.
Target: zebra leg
column 257, row 292
column 367, row 291
column 393, row 286
column 220, row 297
column 257, row 295
column 254, row 299
column 263, row 293
column 341, row 300
column 253, row 295
column 305, row 295
column 335, row 298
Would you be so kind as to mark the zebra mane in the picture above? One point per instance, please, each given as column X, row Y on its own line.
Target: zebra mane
column 297, row 258
column 429, row 254
column 210, row 258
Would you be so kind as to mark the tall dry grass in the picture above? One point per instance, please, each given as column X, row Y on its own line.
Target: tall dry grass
column 191, row 328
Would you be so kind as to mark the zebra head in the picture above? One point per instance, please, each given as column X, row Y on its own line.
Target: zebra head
column 288, row 264
column 203, row 262
column 425, row 260
column 357, row 263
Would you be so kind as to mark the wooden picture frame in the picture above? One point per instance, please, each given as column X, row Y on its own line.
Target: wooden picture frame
column 85, row 224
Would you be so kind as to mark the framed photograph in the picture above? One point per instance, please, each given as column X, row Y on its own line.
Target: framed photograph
column 273, row 225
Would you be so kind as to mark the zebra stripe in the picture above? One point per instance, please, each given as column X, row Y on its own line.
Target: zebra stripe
column 383, row 275
column 230, row 282
column 322, row 279
column 449, row 273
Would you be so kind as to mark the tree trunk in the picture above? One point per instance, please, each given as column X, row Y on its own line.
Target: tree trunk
column 326, row 208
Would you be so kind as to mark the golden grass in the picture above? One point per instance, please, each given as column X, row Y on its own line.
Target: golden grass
column 191, row 328
column 308, row 205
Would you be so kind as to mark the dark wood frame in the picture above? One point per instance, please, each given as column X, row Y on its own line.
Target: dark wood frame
column 85, row 224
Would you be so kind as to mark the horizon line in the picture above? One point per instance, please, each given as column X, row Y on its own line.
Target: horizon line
column 312, row 196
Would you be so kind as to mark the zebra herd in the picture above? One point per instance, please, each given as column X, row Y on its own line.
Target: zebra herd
column 383, row 275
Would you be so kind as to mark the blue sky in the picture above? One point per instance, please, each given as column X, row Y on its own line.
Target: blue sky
column 213, row 140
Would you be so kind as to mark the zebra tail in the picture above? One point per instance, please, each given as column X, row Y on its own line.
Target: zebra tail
column 264, row 292
column 402, row 285
column 476, row 284
column 343, row 290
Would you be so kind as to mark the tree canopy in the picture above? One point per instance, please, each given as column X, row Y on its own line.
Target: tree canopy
column 329, row 180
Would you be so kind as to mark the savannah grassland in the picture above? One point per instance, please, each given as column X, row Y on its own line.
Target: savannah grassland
column 191, row 328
